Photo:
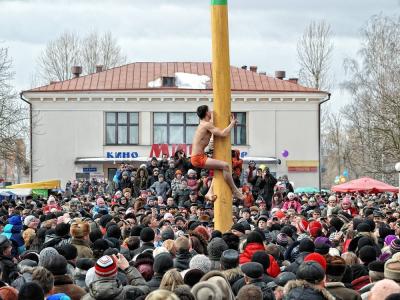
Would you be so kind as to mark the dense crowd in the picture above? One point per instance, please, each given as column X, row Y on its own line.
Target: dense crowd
column 149, row 234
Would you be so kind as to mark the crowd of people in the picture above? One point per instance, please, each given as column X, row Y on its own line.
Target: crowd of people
column 149, row 234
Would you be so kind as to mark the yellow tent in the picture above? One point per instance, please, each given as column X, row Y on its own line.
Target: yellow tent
column 45, row 185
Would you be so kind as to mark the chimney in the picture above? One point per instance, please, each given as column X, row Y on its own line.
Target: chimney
column 253, row 69
column 76, row 71
column 53, row 82
column 293, row 80
column 244, row 67
column 280, row 74
column 262, row 73
column 99, row 68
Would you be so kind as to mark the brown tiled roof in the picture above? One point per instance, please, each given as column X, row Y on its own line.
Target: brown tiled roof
column 135, row 76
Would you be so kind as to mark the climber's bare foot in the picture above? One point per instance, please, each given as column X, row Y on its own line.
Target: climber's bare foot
column 238, row 194
column 211, row 198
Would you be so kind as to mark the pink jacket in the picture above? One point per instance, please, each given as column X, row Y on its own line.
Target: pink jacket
column 292, row 204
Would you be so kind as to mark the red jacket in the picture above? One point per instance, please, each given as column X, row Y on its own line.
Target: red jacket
column 273, row 269
column 248, row 252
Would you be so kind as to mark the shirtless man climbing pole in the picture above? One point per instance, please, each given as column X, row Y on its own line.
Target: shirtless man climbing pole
column 199, row 159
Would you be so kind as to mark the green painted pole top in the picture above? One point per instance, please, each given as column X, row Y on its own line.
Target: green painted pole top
column 219, row 2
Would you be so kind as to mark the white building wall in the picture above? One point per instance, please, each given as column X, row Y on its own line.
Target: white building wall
column 66, row 130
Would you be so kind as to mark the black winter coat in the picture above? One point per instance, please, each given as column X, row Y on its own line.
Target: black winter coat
column 268, row 294
column 182, row 259
column 9, row 268
column 299, row 260
column 300, row 289
column 155, row 282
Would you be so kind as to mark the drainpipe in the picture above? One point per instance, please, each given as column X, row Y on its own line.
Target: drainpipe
column 30, row 132
column 319, row 139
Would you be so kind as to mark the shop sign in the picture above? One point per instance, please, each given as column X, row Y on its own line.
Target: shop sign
column 89, row 170
column 122, row 154
column 157, row 150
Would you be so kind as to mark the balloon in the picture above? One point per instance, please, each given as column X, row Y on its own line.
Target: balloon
column 262, row 167
column 285, row 153
column 337, row 178
column 342, row 179
column 336, row 181
column 346, row 173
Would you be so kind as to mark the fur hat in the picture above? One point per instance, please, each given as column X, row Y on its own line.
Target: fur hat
column 79, row 229
column 335, row 267
column 206, row 291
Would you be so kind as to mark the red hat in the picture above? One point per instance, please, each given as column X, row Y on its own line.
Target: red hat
column 279, row 214
column 106, row 266
column 303, row 224
column 317, row 258
column 314, row 228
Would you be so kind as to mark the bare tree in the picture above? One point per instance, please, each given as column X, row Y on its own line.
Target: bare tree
column 69, row 49
column 100, row 50
column 13, row 114
column 59, row 56
column 374, row 115
column 314, row 51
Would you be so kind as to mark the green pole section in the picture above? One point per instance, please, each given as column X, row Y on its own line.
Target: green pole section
column 219, row 2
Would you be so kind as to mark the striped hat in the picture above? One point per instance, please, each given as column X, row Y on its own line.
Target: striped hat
column 395, row 246
column 106, row 266
column 282, row 239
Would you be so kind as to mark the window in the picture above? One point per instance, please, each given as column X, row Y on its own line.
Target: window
column 168, row 81
column 122, row 128
column 238, row 133
column 174, row 128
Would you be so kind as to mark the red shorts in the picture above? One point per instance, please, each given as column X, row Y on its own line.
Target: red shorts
column 198, row 160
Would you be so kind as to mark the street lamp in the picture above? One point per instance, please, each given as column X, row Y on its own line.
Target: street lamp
column 397, row 167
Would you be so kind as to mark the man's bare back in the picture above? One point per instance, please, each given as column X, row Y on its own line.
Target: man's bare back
column 201, row 137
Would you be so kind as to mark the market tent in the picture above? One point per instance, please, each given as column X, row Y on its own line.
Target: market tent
column 366, row 185
column 307, row 190
column 48, row 185
column 15, row 192
column 259, row 159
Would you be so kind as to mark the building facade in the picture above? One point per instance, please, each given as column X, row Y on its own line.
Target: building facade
column 86, row 126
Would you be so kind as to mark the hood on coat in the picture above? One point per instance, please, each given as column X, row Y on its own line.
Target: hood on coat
column 295, row 289
column 105, row 289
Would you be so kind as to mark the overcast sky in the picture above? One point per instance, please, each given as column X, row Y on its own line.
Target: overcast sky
column 262, row 32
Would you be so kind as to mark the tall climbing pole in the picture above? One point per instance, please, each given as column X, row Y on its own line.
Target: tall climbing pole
column 222, row 109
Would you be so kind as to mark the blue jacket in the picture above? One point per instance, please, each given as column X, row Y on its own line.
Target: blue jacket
column 13, row 233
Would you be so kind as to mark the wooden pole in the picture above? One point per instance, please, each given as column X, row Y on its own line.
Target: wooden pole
column 222, row 109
